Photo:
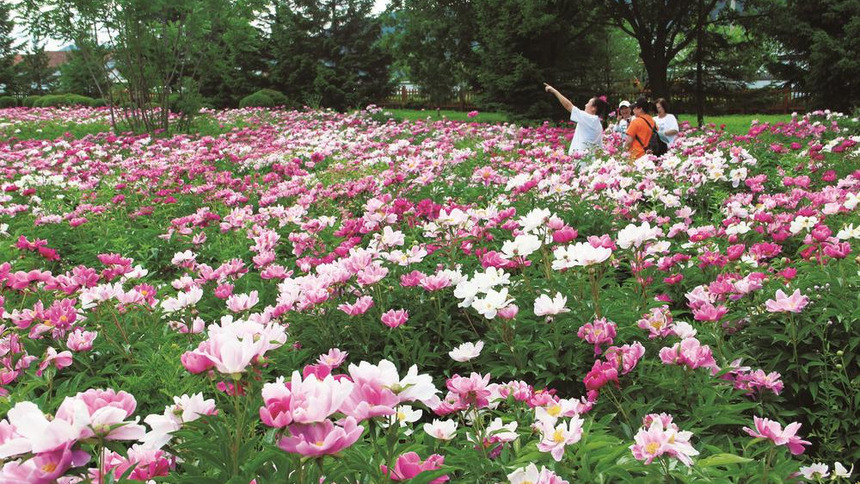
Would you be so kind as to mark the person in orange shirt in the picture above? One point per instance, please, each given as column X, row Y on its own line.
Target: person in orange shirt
column 640, row 130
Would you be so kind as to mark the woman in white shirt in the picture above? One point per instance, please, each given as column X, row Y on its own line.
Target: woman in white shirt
column 588, row 135
column 667, row 125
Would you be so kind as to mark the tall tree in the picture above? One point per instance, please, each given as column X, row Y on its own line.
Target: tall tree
column 35, row 73
column 434, row 43
column 241, row 67
column 663, row 28
column 7, row 47
column 159, row 49
column 821, row 48
column 83, row 74
column 542, row 41
column 329, row 53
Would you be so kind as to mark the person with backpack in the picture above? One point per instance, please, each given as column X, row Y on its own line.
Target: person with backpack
column 642, row 136
column 588, row 135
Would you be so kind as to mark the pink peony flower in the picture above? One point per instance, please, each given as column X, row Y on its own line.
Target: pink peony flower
column 658, row 322
column 691, row 353
column 359, row 307
column 787, row 304
column 323, row 438
column 531, row 475
column 472, row 390
column 410, row 465
column 597, row 333
column 395, row 318
column 625, row 358
column 242, row 302
column 769, row 429
column 79, row 340
column 305, row 401
column 601, row 373
column 660, row 436
column 60, row 360
column 554, row 438
column 44, row 467
column 333, row 359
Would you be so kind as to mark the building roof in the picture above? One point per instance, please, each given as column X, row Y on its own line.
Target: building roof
column 56, row 58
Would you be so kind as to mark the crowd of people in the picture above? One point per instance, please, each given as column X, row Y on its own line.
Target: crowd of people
column 634, row 121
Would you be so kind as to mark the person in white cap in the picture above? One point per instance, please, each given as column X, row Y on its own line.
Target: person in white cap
column 624, row 117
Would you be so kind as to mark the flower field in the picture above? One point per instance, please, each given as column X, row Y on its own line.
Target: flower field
column 321, row 297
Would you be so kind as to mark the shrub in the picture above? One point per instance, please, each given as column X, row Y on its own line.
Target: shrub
column 98, row 103
column 8, row 102
column 256, row 100
column 53, row 100
column 277, row 96
column 29, row 101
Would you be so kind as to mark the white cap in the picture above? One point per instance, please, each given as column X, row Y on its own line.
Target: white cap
column 624, row 104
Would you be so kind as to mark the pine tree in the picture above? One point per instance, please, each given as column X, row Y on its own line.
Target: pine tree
column 7, row 48
column 35, row 72
column 522, row 44
column 433, row 43
column 328, row 53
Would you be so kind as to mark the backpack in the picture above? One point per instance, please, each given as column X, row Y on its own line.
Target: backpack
column 656, row 145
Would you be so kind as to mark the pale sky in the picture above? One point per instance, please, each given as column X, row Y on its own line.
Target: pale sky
column 51, row 44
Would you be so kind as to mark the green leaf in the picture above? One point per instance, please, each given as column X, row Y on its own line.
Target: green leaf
column 721, row 460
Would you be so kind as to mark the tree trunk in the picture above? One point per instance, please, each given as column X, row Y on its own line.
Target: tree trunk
column 658, row 76
column 700, row 85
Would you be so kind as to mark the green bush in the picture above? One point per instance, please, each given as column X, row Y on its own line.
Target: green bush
column 98, row 103
column 8, row 102
column 54, row 100
column 256, row 100
column 277, row 96
column 29, row 101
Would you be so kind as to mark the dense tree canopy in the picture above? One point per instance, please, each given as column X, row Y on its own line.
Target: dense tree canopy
column 434, row 43
column 341, row 54
column 7, row 46
column 328, row 53
column 821, row 42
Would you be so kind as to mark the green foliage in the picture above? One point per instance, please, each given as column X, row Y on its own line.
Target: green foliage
column 432, row 43
column 257, row 100
column 8, row 102
column 823, row 43
column 7, row 48
column 54, row 100
column 665, row 28
column 156, row 48
column 241, row 63
column 34, row 74
column 30, row 101
column 553, row 41
column 329, row 53
column 85, row 72
column 276, row 96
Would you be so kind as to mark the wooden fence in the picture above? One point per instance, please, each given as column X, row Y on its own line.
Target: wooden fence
column 767, row 101
column 773, row 101
column 414, row 98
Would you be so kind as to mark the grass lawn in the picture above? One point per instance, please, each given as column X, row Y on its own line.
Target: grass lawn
column 416, row 114
column 205, row 125
column 735, row 123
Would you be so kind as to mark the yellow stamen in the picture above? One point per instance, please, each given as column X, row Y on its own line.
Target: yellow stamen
column 652, row 447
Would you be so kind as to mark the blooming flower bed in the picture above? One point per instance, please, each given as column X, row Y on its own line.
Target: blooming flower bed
column 323, row 297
